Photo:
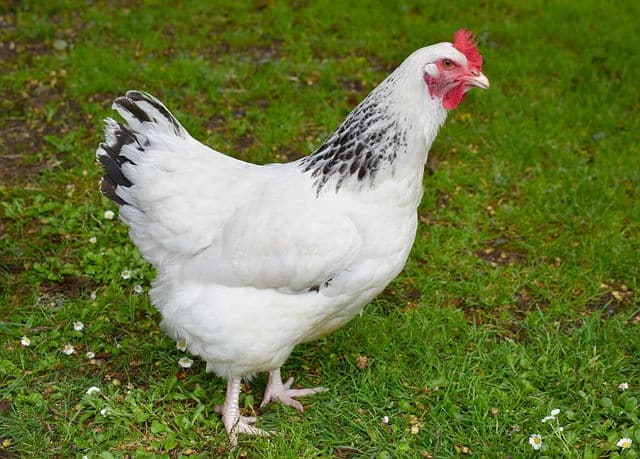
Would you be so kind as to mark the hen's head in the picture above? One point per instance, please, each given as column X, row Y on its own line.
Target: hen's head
column 449, row 70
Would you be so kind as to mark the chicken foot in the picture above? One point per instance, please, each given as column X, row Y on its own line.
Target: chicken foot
column 276, row 390
column 234, row 423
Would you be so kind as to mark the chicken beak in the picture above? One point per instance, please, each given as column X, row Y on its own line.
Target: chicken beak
column 479, row 80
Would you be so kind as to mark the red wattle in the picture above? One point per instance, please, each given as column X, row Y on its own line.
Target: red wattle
column 454, row 97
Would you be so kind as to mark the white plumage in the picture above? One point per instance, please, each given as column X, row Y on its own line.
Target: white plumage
column 252, row 260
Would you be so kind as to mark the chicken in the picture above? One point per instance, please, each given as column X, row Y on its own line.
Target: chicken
column 252, row 260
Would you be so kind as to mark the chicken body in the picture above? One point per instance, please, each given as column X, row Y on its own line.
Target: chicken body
column 253, row 260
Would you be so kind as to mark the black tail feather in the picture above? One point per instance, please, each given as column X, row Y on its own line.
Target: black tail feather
column 139, row 96
column 112, row 170
column 142, row 111
column 108, row 189
column 110, row 157
column 130, row 106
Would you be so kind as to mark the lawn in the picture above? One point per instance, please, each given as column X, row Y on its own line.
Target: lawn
column 521, row 293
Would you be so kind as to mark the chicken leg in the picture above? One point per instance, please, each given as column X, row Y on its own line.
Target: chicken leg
column 233, row 422
column 276, row 390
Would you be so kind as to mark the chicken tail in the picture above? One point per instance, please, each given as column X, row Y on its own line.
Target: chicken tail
column 145, row 117
column 139, row 108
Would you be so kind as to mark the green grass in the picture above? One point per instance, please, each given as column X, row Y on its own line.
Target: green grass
column 521, row 294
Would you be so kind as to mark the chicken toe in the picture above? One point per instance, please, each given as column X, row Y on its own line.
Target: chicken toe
column 276, row 390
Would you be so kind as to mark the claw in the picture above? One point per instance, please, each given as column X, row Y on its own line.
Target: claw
column 277, row 391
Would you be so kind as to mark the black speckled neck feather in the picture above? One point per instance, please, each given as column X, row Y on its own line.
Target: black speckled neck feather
column 371, row 137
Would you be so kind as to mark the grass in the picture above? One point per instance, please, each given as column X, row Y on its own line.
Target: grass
column 521, row 294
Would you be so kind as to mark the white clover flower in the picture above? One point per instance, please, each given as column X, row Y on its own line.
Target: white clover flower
column 108, row 214
column 181, row 345
column 137, row 289
column 93, row 390
column 93, row 239
column 535, row 440
column 26, row 342
column 68, row 349
column 90, row 355
column 555, row 412
column 560, row 429
column 185, row 362
column 624, row 443
column 385, row 419
column 78, row 326
column 105, row 411
column 126, row 274
column 623, row 386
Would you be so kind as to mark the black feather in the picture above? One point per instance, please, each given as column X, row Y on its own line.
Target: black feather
column 119, row 136
column 138, row 96
column 129, row 106
column 112, row 171
column 125, row 136
column 111, row 159
column 355, row 151
column 109, row 191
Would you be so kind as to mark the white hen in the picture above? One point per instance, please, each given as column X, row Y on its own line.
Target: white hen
column 253, row 260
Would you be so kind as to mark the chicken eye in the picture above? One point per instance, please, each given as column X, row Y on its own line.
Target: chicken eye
column 447, row 63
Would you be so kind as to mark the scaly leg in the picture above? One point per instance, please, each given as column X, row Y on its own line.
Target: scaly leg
column 233, row 422
column 276, row 390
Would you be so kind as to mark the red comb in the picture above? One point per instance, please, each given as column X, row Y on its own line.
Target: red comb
column 465, row 42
